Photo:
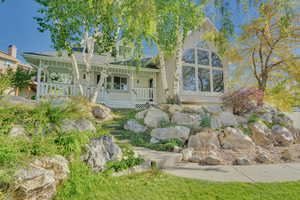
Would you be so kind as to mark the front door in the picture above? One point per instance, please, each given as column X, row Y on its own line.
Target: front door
column 151, row 89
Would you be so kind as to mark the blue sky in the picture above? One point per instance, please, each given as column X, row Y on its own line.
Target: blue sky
column 19, row 28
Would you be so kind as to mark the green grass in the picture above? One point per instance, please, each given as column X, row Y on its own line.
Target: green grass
column 156, row 185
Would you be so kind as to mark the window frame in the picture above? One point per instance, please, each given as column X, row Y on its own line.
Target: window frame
column 113, row 89
column 209, row 67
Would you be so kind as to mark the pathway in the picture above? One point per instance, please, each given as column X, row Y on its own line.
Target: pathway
column 251, row 173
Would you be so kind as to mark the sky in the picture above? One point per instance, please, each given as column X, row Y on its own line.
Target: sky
column 19, row 28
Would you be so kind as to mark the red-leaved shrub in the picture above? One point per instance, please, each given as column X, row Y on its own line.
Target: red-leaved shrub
column 243, row 100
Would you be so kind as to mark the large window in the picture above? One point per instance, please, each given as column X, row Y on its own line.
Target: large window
column 117, row 83
column 202, row 70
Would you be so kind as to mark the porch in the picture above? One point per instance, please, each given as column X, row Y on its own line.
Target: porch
column 124, row 88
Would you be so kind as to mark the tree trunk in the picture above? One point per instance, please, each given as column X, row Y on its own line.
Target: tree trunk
column 76, row 75
column 163, row 73
column 103, row 76
column 178, row 63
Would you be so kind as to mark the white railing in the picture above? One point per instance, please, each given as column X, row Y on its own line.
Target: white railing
column 56, row 89
column 144, row 93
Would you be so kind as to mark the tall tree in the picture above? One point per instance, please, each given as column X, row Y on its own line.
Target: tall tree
column 268, row 43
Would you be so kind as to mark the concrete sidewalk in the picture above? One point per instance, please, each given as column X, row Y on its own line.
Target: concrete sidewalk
column 253, row 173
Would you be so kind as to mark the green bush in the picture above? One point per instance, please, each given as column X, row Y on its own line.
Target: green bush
column 206, row 121
column 253, row 118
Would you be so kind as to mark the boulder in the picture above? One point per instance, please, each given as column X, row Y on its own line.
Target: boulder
column 39, row 181
column 215, row 122
column 187, row 154
column 263, row 157
column 186, row 119
column 85, row 125
column 101, row 112
column 241, row 119
column 17, row 131
column 16, row 100
column 140, row 115
column 178, row 132
column 212, row 159
column 227, row 119
column 135, row 126
column 155, row 117
column 175, row 108
column 204, row 140
column 214, row 109
column 283, row 120
column 100, row 151
column 267, row 117
column 286, row 155
column 233, row 138
column 193, row 109
column 282, row 135
column 261, row 134
column 242, row 161
column 77, row 125
column 195, row 158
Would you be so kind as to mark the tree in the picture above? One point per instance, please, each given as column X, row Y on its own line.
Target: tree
column 269, row 43
column 5, row 81
column 21, row 79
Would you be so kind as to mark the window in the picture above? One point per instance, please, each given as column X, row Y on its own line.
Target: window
column 189, row 81
column 202, row 70
column 189, row 56
column 117, row 83
column 216, row 61
column 218, row 81
column 203, row 57
column 204, row 80
column 7, row 64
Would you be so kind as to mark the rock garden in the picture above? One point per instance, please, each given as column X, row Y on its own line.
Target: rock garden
column 213, row 135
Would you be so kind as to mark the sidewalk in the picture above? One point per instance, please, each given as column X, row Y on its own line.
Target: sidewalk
column 251, row 173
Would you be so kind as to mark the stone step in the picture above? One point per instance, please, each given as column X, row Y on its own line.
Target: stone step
column 161, row 159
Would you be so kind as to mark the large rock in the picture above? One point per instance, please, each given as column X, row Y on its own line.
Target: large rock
column 212, row 159
column 77, row 125
column 215, row 122
column 214, row 109
column 233, row 138
column 227, row 119
column 261, row 134
column 16, row 100
column 204, row 140
column 186, row 119
column 101, row 112
column 39, row 181
column 193, row 109
column 187, row 154
column 155, row 117
column 175, row 108
column 100, row 151
column 177, row 132
column 141, row 115
column 135, row 126
column 283, row 120
column 17, row 131
column 282, row 135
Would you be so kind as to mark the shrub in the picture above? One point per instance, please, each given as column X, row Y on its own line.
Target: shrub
column 206, row 121
column 253, row 118
column 243, row 100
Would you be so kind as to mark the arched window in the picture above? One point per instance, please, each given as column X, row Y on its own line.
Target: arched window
column 202, row 70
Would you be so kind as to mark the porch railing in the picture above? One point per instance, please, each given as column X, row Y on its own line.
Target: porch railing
column 144, row 93
column 56, row 89
column 65, row 90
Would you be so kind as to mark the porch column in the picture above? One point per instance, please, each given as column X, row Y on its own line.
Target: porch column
column 38, row 90
column 154, row 87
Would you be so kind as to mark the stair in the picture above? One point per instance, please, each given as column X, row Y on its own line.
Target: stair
column 160, row 159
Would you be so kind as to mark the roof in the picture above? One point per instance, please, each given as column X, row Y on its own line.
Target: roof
column 96, row 60
column 5, row 56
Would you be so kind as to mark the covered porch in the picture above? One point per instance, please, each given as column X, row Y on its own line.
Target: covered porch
column 125, row 86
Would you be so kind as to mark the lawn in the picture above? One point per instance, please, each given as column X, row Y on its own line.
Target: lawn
column 156, row 185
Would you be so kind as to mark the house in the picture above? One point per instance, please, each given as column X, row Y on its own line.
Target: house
column 9, row 60
column 130, row 86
